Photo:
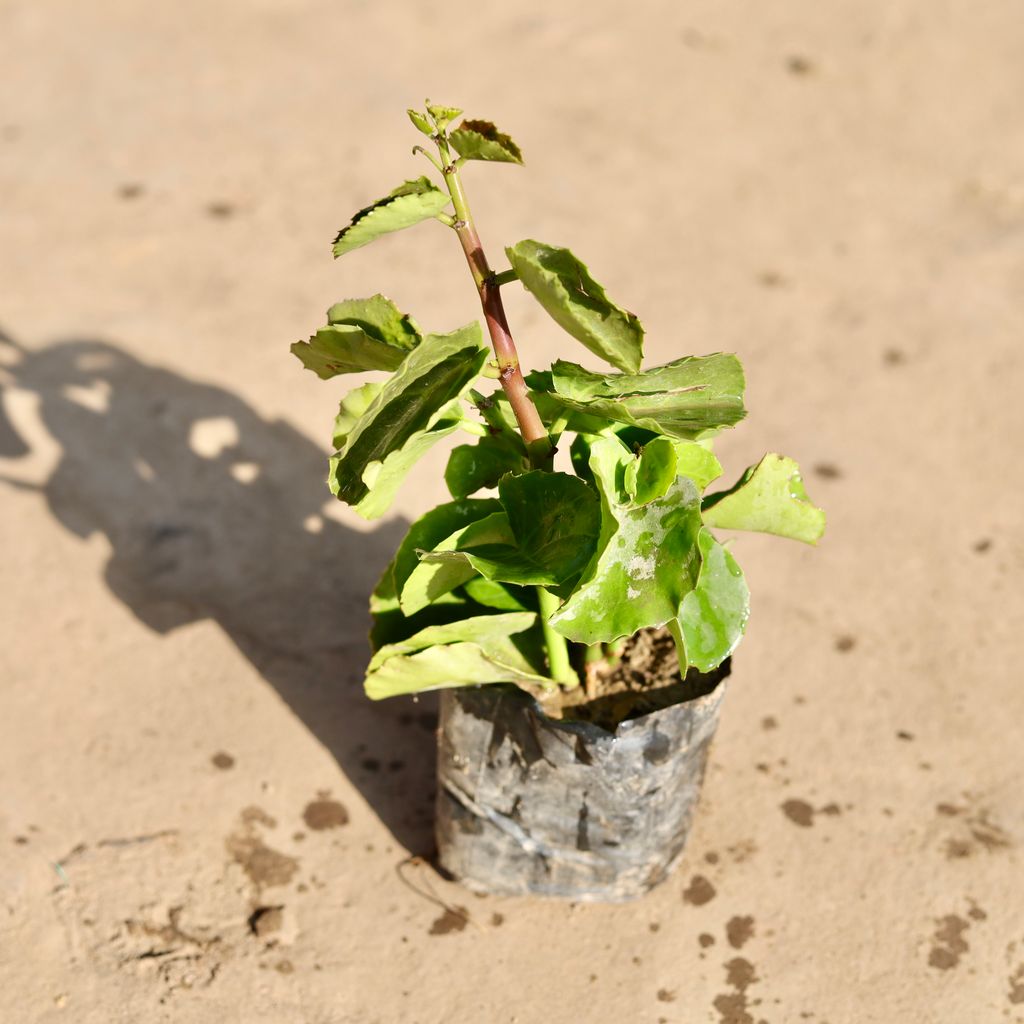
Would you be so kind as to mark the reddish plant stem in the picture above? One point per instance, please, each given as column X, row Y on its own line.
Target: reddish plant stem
column 538, row 443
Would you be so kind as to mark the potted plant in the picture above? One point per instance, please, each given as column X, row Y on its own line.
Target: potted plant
column 579, row 621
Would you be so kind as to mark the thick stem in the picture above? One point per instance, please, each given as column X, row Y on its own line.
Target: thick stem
column 557, row 646
column 538, row 443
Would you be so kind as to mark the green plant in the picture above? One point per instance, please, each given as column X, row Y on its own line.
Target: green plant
column 552, row 572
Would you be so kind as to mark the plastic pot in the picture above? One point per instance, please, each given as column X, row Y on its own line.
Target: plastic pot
column 531, row 805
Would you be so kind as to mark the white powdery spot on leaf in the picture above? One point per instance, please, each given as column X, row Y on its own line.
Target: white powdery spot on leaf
column 641, row 568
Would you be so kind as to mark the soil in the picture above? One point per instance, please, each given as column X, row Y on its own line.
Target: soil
column 643, row 678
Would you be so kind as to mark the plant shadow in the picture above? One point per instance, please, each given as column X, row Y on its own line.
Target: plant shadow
column 213, row 512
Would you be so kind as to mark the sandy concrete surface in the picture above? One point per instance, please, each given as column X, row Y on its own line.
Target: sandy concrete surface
column 201, row 818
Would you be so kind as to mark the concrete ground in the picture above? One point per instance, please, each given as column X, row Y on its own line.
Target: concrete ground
column 201, row 818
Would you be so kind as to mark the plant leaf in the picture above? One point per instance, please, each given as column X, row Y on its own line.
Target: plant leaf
column 769, row 497
column 383, row 478
column 478, row 650
column 689, row 398
column 698, row 462
column 390, row 625
column 647, row 560
column 451, row 665
column 442, row 115
column 695, row 459
column 496, row 413
column 432, row 528
column 482, row 630
column 496, row 595
column 714, row 614
column 421, row 121
column 411, row 202
column 362, row 334
column 472, row 467
column 345, row 349
column 480, row 140
column 414, row 400
column 650, row 474
column 379, row 318
column 351, row 408
column 577, row 303
column 718, row 376
column 443, row 568
column 553, row 520
column 390, row 621
column 430, row 531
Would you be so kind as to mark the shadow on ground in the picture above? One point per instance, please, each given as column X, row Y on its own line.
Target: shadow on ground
column 213, row 512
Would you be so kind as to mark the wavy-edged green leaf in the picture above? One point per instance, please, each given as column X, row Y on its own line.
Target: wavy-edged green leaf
column 555, row 414
column 647, row 560
column 481, row 140
column 472, row 467
column 482, row 630
column 345, row 349
column 383, row 478
column 418, row 585
column 379, row 318
column 714, row 614
column 390, row 624
column 478, row 650
column 448, row 666
column 687, row 399
column 413, row 201
column 432, row 528
column 416, row 399
column 435, row 575
column 351, row 408
column 442, row 115
column 577, row 303
column 421, row 121
column 698, row 462
column 650, row 474
column 770, row 498
column 555, row 518
column 717, row 377
column 553, row 521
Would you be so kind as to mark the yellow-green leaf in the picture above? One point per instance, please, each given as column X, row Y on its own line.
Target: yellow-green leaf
column 651, row 472
column 473, row 651
column 378, row 317
column 647, row 559
column 421, row 121
column 770, row 498
column 404, row 206
column 551, row 528
column 345, row 349
column 481, row 465
column 437, row 575
column 714, row 614
column 480, row 140
column 577, row 303
column 401, row 419
column 696, row 460
column 351, row 408
column 687, row 399
column 442, row 115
